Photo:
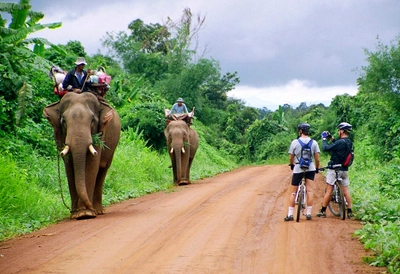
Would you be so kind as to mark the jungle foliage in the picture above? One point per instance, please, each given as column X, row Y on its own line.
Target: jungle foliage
column 159, row 63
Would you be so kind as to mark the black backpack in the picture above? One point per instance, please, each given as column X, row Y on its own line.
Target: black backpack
column 306, row 154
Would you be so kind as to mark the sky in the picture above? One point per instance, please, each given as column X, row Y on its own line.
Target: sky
column 284, row 51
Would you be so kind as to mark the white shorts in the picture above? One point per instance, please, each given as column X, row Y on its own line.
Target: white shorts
column 343, row 177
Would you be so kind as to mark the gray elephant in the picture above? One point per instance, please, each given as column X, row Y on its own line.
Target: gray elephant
column 76, row 118
column 182, row 142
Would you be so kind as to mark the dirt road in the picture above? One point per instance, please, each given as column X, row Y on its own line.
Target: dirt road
column 231, row 223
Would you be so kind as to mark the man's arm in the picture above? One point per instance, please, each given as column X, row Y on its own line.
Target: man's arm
column 66, row 81
column 317, row 161
column 328, row 147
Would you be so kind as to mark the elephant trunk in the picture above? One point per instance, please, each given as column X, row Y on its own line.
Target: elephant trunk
column 181, row 158
column 79, row 160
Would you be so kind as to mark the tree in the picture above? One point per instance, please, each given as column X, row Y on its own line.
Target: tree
column 17, row 61
column 382, row 75
column 378, row 100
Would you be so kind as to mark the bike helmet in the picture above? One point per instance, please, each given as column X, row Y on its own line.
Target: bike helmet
column 305, row 128
column 344, row 126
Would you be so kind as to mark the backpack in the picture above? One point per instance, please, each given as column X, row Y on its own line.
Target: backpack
column 348, row 160
column 306, row 154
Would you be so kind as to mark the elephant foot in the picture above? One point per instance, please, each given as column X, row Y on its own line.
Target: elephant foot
column 184, row 183
column 101, row 211
column 83, row 214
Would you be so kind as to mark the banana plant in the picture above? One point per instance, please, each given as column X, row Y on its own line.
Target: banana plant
column 17, row 60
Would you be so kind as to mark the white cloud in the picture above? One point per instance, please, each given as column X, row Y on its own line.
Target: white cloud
column 292, row 93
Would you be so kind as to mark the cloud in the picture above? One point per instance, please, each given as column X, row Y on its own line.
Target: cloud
column 268, row 43
column 292, row 93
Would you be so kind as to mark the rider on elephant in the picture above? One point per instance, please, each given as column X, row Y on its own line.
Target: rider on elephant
column 179, row 112
column 77, row 80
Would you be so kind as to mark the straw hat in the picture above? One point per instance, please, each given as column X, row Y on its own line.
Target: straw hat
column 80, row 61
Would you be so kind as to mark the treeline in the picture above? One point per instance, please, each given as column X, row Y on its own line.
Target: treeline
column 153, row 64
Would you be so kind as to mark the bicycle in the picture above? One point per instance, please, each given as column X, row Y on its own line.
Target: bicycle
column 337, row 203
column 301, row 196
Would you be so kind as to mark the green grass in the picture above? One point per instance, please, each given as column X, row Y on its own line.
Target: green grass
column 375, row 192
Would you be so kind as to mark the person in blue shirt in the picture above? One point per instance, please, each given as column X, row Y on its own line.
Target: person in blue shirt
column 77, row 80
column 179, row 107
column 179, row 112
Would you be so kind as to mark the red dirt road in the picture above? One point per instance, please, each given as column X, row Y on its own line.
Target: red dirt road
column 231, row 223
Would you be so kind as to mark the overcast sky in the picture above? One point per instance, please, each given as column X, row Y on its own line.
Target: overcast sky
column 285, row 51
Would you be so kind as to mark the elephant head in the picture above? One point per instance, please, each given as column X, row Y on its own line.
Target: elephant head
column 76, row 118
column 182, row 143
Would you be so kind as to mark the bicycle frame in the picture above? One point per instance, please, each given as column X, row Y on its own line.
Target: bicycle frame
column 337, row 203
column 301, row 196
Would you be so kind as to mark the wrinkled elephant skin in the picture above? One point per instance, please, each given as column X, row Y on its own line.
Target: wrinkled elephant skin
column 182, row 143
column 75, row 119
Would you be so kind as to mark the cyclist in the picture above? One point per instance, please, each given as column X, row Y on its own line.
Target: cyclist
column 295, row 154
column 339, row 151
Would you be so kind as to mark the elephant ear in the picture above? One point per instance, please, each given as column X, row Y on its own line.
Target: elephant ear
column 106, row 115
column 52, row 113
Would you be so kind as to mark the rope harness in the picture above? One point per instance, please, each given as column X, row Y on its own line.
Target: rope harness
column 59, row 182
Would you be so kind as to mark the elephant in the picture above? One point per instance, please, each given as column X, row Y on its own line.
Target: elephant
column 182, row 143
column 77, row 120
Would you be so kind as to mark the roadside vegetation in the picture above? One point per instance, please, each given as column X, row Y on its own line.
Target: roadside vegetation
column 159, row 64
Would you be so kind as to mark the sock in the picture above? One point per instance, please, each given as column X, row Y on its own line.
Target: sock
column 290, row 211
column 308, row 211
column 349, row 210
column 323, row 209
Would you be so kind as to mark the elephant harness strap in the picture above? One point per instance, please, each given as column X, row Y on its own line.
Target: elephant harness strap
column 106, row 119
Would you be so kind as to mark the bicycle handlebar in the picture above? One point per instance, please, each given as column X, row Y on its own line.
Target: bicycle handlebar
column 337, row 166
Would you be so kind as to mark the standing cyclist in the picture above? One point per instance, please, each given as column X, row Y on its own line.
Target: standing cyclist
column 295, row 155
column 339, row 150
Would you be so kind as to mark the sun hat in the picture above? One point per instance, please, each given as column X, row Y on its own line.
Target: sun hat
column 80, row 61
column 180, row 100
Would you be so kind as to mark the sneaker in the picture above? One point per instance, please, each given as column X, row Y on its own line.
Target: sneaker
column 350, row 215
column 321, row 214
column 288, row 218
column 308, row 216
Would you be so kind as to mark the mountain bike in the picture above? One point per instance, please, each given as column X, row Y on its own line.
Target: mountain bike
column 301, row 199
column 337, row 203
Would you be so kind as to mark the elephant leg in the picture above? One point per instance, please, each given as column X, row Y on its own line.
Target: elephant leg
column 98, row 191
column 188, row 170
column 185, row 168
column 174, row 169
column 71, row 184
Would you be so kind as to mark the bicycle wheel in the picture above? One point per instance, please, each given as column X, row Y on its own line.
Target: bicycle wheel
column 299, row 203
column 342, row 205
column 333, row 205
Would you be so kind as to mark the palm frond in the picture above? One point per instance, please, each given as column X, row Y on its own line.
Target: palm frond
column 7, row 32
column 39, row 50
column 19, row 17
column 34, row 17
column 10, row 7
column 24, row 97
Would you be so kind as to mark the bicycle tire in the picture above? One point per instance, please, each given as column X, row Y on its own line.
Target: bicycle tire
column 333, row 205
column 299, row 203
column 342, row 204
